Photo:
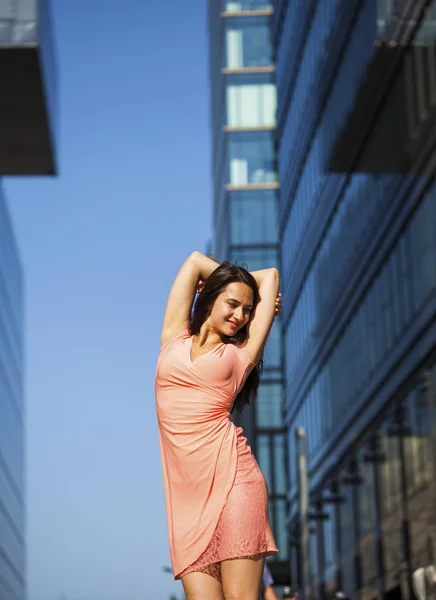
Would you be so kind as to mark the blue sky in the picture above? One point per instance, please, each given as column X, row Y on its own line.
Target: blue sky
column 100, row 245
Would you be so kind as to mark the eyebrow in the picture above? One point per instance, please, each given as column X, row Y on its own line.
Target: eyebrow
column 237, row 302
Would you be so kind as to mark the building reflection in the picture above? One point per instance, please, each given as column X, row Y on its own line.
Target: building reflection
column 379, row 509
column 356, row 136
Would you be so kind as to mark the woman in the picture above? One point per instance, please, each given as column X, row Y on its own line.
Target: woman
column 216, row 496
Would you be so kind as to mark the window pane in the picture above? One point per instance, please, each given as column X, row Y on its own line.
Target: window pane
column 263, row 457
column 251, row 101
column 251, row 158
column 232, row 6
column 273, row 349
column 247, row 43
column 279, row 464
column 253, row 217
column 269, row 405
column 281, row 529
column 254, row 259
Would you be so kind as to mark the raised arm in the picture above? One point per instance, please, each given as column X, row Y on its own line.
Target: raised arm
column 268, row 281
column 181, row 297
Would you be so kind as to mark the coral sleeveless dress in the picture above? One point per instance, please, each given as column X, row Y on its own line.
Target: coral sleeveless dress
column 216, row 496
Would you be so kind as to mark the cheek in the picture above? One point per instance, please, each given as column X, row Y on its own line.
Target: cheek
column 218, row 312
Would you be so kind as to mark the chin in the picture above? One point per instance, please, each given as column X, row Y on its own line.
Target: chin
column 227, row 331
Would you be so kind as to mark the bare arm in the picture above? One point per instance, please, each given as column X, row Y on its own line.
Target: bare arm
column 268, row 281
column 181, row 297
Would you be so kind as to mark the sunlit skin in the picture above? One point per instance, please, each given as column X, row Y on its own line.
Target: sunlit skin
column 229, row 313
column 219, row 322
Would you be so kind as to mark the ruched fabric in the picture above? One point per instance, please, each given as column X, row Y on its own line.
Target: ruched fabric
column 208, row 469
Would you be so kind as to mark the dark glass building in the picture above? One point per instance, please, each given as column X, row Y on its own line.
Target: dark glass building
column 356, row 116
column 27, row 133
column 243, row 100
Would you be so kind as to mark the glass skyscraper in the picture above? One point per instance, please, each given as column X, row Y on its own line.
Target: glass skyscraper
column 356, row 115
column 27, row 134
column 243, row 116
column 12, row 531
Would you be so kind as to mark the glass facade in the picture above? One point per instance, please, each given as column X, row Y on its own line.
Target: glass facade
column 248, row 43
column 251, row 158
column 12, row 546
column 251, row 100
column 253, row 217
column 243, row 95
column 18, row 22
column 243, row 5
column 358, row 255
column 28, row 67
column 379, row 528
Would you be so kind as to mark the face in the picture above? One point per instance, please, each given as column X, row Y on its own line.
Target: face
column 232, row 309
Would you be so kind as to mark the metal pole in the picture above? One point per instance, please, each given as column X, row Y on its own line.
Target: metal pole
column 303, row 492
column 430, row 391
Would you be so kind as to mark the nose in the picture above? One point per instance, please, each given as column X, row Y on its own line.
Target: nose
column 239, row 315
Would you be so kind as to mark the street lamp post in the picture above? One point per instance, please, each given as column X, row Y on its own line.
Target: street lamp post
column 303, row 493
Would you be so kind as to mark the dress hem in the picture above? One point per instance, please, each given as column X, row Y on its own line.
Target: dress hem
column 255, row 556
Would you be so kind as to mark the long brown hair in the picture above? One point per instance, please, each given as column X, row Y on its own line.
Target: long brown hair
column 223, row 275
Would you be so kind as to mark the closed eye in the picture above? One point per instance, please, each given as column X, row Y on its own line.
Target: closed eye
column 246, row 309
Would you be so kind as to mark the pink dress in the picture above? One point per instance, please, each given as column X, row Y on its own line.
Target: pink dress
column 216, row 496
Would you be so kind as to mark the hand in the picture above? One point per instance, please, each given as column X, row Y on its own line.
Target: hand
column 200, row 286
column 278, row 305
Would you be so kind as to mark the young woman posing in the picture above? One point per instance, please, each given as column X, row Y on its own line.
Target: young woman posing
column 216, row 495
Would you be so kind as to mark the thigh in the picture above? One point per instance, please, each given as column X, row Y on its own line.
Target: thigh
column 198, row 586
column 243, row 521
column 242, row 578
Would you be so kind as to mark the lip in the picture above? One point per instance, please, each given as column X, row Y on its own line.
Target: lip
column 233, row 325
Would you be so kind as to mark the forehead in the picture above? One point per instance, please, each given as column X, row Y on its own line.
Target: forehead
column 239, row 291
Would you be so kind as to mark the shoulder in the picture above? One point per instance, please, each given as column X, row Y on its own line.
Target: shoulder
column 174, row 337
column 241, row 354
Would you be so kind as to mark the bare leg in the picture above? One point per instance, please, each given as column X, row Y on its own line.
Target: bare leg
column 242, row 578
column 200, row 586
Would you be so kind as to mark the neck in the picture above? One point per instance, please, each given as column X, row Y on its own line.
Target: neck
column 208, row 336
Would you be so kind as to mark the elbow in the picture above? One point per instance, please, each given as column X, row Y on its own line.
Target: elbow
column 194, row 262
column 274, row 274
column 193, row 257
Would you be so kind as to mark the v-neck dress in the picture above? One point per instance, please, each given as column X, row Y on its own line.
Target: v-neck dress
column 216, row 496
